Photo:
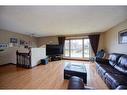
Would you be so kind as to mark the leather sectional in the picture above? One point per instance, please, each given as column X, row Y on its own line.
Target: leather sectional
column 113, row 71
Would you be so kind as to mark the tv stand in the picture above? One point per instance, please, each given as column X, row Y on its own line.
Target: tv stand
column 55, row 58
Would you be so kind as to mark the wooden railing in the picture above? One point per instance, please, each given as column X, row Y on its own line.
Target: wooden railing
column 23, row 59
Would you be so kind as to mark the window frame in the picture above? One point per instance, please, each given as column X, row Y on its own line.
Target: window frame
column 82, row 48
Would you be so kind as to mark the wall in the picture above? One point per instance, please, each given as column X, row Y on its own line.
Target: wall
column 36, row 55
column 101, row 41
column 111, row 39
column 47, row 40
column 9, row 54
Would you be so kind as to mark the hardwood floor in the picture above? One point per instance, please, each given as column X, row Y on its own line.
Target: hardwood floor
column 48, row 76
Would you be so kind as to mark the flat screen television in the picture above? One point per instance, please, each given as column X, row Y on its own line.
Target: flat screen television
column 53, row 50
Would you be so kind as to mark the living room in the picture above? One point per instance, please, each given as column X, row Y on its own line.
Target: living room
column 25, row 29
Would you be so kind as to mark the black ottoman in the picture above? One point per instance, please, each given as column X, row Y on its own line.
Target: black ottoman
column 76, row 83
column 75, row 70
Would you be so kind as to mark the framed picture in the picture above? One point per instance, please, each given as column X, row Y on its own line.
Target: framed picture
column 13, row 40
column 3, row 45
column 22, row 42
column 122, row 37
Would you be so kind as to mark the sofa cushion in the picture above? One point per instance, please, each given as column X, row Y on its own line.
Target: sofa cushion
column 114, row 80
column 122, row 64
column 101, row 73
column 113, row 58
column 97, row 65
column 120, row 87
column 109, row 69
column 102, row 62
column 103, row 68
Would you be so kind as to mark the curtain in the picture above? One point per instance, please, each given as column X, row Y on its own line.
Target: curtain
column 94, row 41
column 61, row 41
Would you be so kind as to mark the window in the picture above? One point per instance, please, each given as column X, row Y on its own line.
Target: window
column 66, row 48
column 77, row 48
column 86, row 48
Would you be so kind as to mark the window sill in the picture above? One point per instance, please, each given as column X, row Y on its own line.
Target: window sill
column 78, row 59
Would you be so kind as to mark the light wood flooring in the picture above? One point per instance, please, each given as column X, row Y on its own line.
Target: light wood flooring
column 48, row 76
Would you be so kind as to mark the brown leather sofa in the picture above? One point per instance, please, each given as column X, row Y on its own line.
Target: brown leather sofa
column 114, row 71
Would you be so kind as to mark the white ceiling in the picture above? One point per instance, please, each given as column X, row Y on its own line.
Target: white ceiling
column 60, row 20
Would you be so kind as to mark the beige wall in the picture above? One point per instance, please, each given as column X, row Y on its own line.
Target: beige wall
column 101, row 42
column 36, row 55
column 9, row 54
column 47, row 40
column 111, row 39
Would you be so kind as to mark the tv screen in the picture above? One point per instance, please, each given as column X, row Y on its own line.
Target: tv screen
column 53, row 50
